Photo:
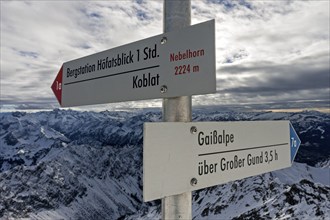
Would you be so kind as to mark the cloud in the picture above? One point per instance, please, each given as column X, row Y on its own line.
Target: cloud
column 47, row 33
column 280, row 52
column 267, row 51
column 267, row 76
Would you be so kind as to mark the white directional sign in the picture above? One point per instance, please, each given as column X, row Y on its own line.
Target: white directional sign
column 168, row 65
column 182, row 157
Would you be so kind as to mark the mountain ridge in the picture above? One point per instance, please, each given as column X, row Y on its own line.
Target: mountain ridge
column 66, row 164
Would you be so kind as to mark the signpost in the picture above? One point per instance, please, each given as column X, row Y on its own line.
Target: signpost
column 182, row 157
column 172, row 64
column 177, row 15
column 179, row 156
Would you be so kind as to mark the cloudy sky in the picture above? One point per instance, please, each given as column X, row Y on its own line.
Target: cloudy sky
column 272, row 53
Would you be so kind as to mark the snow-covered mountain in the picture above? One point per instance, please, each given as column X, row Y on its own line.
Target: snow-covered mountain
column 87, row 165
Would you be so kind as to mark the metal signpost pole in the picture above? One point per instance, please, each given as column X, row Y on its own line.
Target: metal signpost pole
column 178, row 109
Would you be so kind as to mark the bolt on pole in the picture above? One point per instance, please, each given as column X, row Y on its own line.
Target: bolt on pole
column 177, row 15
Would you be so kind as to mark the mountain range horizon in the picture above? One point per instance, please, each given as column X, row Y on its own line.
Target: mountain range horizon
column 66, row 164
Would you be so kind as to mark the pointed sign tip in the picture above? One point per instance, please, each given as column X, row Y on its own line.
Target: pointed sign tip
column 294, row 143
column 57, row 86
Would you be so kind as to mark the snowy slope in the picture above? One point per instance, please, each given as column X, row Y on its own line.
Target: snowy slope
column 88, row 165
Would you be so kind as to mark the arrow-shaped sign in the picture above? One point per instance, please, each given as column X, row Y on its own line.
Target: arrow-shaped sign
column 172, row 64
column 182, row 157
column 294, row 143
column 57, row 86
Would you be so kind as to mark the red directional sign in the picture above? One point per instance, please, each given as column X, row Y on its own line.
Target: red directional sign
column 172, row 64
column 57, row 86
